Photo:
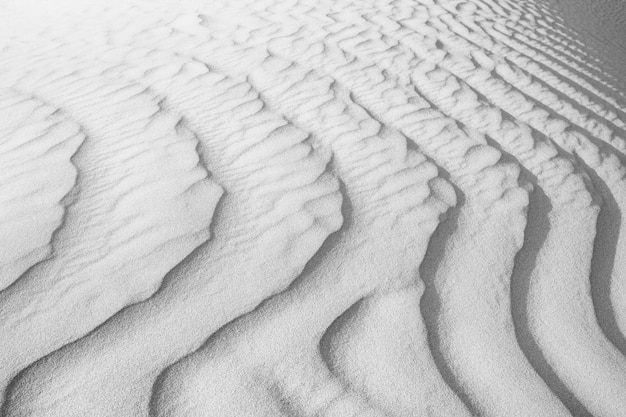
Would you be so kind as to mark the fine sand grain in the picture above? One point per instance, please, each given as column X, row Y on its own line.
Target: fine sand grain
column 328, row 208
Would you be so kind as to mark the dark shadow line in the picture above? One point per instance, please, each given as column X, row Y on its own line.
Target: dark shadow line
column 535, row 235
column 430, row 303
column 603, row 261
column 313, row 264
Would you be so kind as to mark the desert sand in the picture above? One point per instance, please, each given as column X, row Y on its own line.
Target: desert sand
column 255, row 208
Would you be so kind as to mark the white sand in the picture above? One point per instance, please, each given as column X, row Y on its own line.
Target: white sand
column 312, row 208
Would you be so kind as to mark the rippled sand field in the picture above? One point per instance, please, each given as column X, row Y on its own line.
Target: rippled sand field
column 334, row 208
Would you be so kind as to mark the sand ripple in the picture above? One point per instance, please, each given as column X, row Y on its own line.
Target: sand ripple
column 311, row 208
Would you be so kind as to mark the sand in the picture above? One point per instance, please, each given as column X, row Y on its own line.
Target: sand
column 312, row 208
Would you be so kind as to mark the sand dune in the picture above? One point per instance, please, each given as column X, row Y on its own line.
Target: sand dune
column 312, row 208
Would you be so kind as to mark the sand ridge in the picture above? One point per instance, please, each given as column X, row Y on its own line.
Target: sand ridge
column 337, row 208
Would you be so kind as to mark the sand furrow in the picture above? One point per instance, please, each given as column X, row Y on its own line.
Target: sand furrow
column 542, row 24
column 541, row 305
column 542, row 95
column 549, row 71
column 602, row 19
column 567, row 74
column 599, row 156
column 549, row 42
column 470, row 60
column 599, row 27
column 294, row 165
column 568, row 191
column 485, row 49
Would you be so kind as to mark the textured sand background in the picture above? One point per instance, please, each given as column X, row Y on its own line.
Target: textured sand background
column 312, row 208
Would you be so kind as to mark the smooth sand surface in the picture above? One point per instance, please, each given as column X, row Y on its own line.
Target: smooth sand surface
column 329, row 208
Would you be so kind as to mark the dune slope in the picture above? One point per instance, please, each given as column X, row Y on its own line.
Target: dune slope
column 312, row 208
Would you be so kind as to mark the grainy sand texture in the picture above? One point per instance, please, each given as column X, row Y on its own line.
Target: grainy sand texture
column 312, row 208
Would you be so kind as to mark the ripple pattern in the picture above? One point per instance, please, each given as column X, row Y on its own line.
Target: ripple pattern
column 310, row 208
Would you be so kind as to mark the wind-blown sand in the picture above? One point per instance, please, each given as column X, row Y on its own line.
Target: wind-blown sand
column 312, row 208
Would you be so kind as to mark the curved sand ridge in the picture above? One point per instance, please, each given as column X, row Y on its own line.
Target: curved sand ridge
column 336, row 208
